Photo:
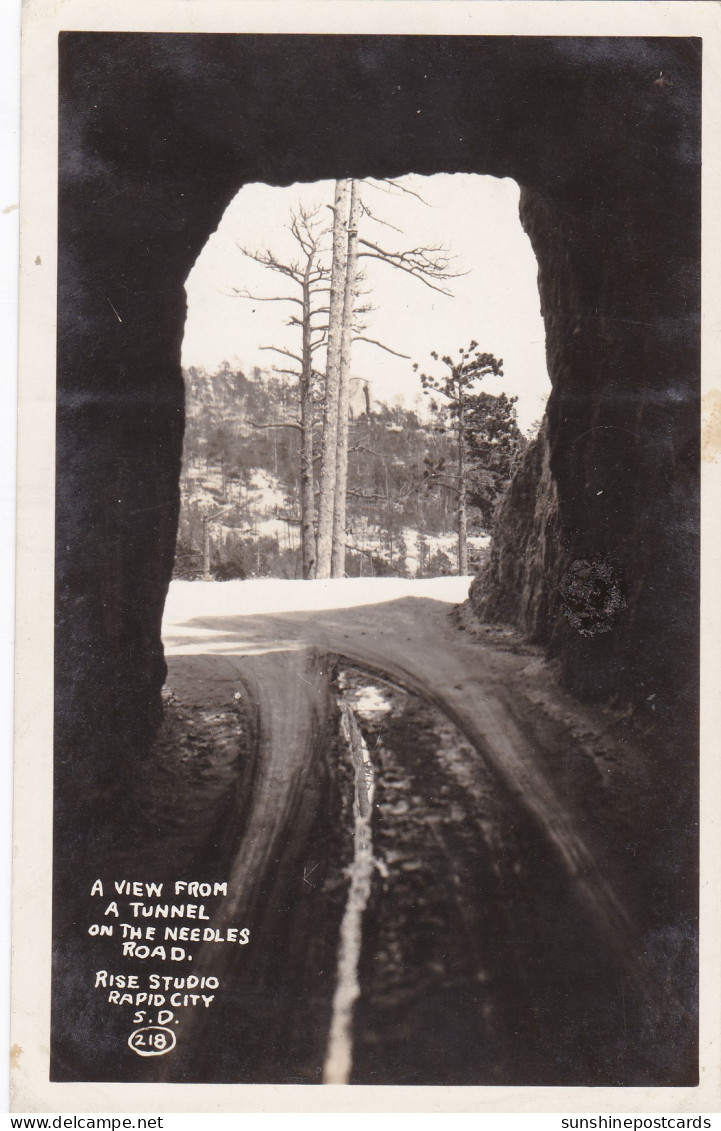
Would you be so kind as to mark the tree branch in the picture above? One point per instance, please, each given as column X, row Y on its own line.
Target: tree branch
column 373, row 342
column 278, row 424
column 358, row 549
column 284, row 352
column 424, row 263
column 436, row 479
column 264, row 298
column 394, row 185
column 377, row 219
column 368, row 495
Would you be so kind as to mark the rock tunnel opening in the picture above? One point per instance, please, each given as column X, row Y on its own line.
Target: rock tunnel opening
column 602, row 135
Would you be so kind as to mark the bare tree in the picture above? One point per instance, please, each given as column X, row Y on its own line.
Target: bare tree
column 309, row 276
column 349, row 302
column 431, row 266
column 325, row 557
column 326, row 502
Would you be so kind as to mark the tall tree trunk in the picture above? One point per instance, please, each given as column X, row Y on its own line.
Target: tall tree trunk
column 462, row 492
column 206, row 550
column 341, row 463
column 307, row 500
column 330, row 413
column 389, row 518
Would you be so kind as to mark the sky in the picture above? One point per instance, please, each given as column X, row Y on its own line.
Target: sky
column 494, row 298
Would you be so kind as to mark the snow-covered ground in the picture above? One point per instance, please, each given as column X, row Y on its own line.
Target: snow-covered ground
column 435, row 543
column 260, row 502
column 263, row 494
column 263, row 501
column 188, row 599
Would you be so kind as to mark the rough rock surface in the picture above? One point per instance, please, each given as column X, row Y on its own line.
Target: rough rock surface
column 520, row 583
column 622, row 456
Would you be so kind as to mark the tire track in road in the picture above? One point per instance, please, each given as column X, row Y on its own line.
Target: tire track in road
column 284, row 658
column 476, row 968
column 289, row 691
column 479, row 708
column 485, row 716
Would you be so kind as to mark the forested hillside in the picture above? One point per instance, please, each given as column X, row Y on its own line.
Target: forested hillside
column 240, row 484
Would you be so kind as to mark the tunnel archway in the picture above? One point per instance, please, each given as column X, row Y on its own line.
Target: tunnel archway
column 602, row 135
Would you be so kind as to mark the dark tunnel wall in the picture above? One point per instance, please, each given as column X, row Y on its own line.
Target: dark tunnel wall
column 157, row 133
column 619, row 509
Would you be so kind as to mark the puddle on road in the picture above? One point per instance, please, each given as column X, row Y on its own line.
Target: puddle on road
column 396, row 720
column 476, row 967
column 428, row 966
column 339, row 1054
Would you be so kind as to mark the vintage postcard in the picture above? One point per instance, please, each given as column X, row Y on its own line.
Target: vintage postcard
column 360, row 622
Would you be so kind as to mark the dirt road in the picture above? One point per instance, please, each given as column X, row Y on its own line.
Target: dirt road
column 500, row 933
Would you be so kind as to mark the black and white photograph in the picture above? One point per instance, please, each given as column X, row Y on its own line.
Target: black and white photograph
column 376, row 435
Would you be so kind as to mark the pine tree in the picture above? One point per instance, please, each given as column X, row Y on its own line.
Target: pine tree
column 457, row 388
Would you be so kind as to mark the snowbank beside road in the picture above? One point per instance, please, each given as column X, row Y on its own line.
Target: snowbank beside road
column 188, row 599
